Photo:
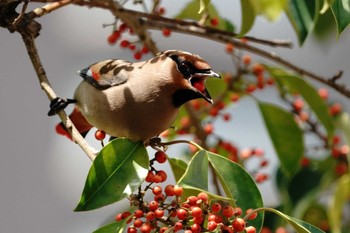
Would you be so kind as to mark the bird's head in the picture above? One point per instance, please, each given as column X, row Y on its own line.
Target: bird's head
column 190, row 72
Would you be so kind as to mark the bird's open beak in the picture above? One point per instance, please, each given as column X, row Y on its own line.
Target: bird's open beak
column 198, row 83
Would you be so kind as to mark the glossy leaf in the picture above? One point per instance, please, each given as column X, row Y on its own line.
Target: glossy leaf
column 285, row 135
column 303, row 16
column 299, row 225
column 338, row 201
column 196, row 176
column 248, row 16
column 238, row 185
column 178, row 167
column 295, row 84
column 271, row 9
column 341, row 12
column 119, row 168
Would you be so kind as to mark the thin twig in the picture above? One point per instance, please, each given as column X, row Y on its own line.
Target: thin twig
column 45, row 85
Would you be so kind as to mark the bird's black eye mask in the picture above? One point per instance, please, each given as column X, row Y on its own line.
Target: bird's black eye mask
column 186, row 68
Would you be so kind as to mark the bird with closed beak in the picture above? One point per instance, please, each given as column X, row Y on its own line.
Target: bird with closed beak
column 137, row 100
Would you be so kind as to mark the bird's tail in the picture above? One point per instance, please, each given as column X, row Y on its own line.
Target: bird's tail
column 79, row 122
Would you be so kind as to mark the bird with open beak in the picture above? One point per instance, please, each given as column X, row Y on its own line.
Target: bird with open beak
column 137, row 100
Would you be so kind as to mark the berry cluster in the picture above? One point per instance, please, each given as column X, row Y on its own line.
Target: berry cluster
column 167, row 211
column 135, row 46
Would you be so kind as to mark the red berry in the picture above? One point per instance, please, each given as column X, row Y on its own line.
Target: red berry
column 157, row 190
column 260, row 177
column 203, row 196
column 251, row 88
column 253, row 215
column 100, row 135
column 163, row 230
column 228, row 211
column 215, row 218
column 145, row 228
column 258, row 69
column 123, row 27
column 198, row 220
column 181, row 214
column 162, row 174
column 212, row 225
column 149, row 177
column 169, row 190
column 160, row 156
column 161, row 11
column 159, row 198
column 335, row 109
column 124, row 43
column 208, row 128
column 298, row 104
column 178, row 190
column 118, row 217
column 234, row 97
column 166, row 32
column 196, row 212
column 192, row 200
column 132, row 46
column 138, row 223
column 159, row 213
column 323, row 93
column 112, row 39
column 177, row 226
column 214, row 21
column 238, row 224
column 153, row 205
column 150, row 215
column 144, row 50
column 226, row 116
column 216, row 207
column 138, row 55
column 131, row 230
column 229, row 48
column 138, row 214
column 196, row 228
column 157, row 178
column 237, row 211
column 246, row 59
column 250, row 229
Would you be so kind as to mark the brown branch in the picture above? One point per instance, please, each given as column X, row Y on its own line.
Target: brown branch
column 45, row 85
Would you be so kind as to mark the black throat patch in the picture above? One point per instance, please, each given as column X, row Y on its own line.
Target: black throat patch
column 184, row 95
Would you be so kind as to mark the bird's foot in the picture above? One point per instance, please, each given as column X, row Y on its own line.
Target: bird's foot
column 58, row 104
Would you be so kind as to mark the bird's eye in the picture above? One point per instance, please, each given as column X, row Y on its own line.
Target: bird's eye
column 185, row 68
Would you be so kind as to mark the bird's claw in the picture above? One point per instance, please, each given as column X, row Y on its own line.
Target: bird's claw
column 57, row 104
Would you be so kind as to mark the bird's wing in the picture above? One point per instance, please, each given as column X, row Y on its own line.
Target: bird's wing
column 108, row 73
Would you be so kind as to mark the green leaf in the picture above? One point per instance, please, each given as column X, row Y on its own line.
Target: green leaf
column 303, row 16
column 341, row 12
column 338, row 201
column 203, row 4
column 115, row 227
column 271, row 9
column 299, row 225
column 238, row 185
column 196, row 174
column 295, row 84
column 248, row 16
column 178, row 167
column 119, row 168
column 285, row 135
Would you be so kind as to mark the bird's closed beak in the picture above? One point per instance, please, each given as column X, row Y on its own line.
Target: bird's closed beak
column 198, row 83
